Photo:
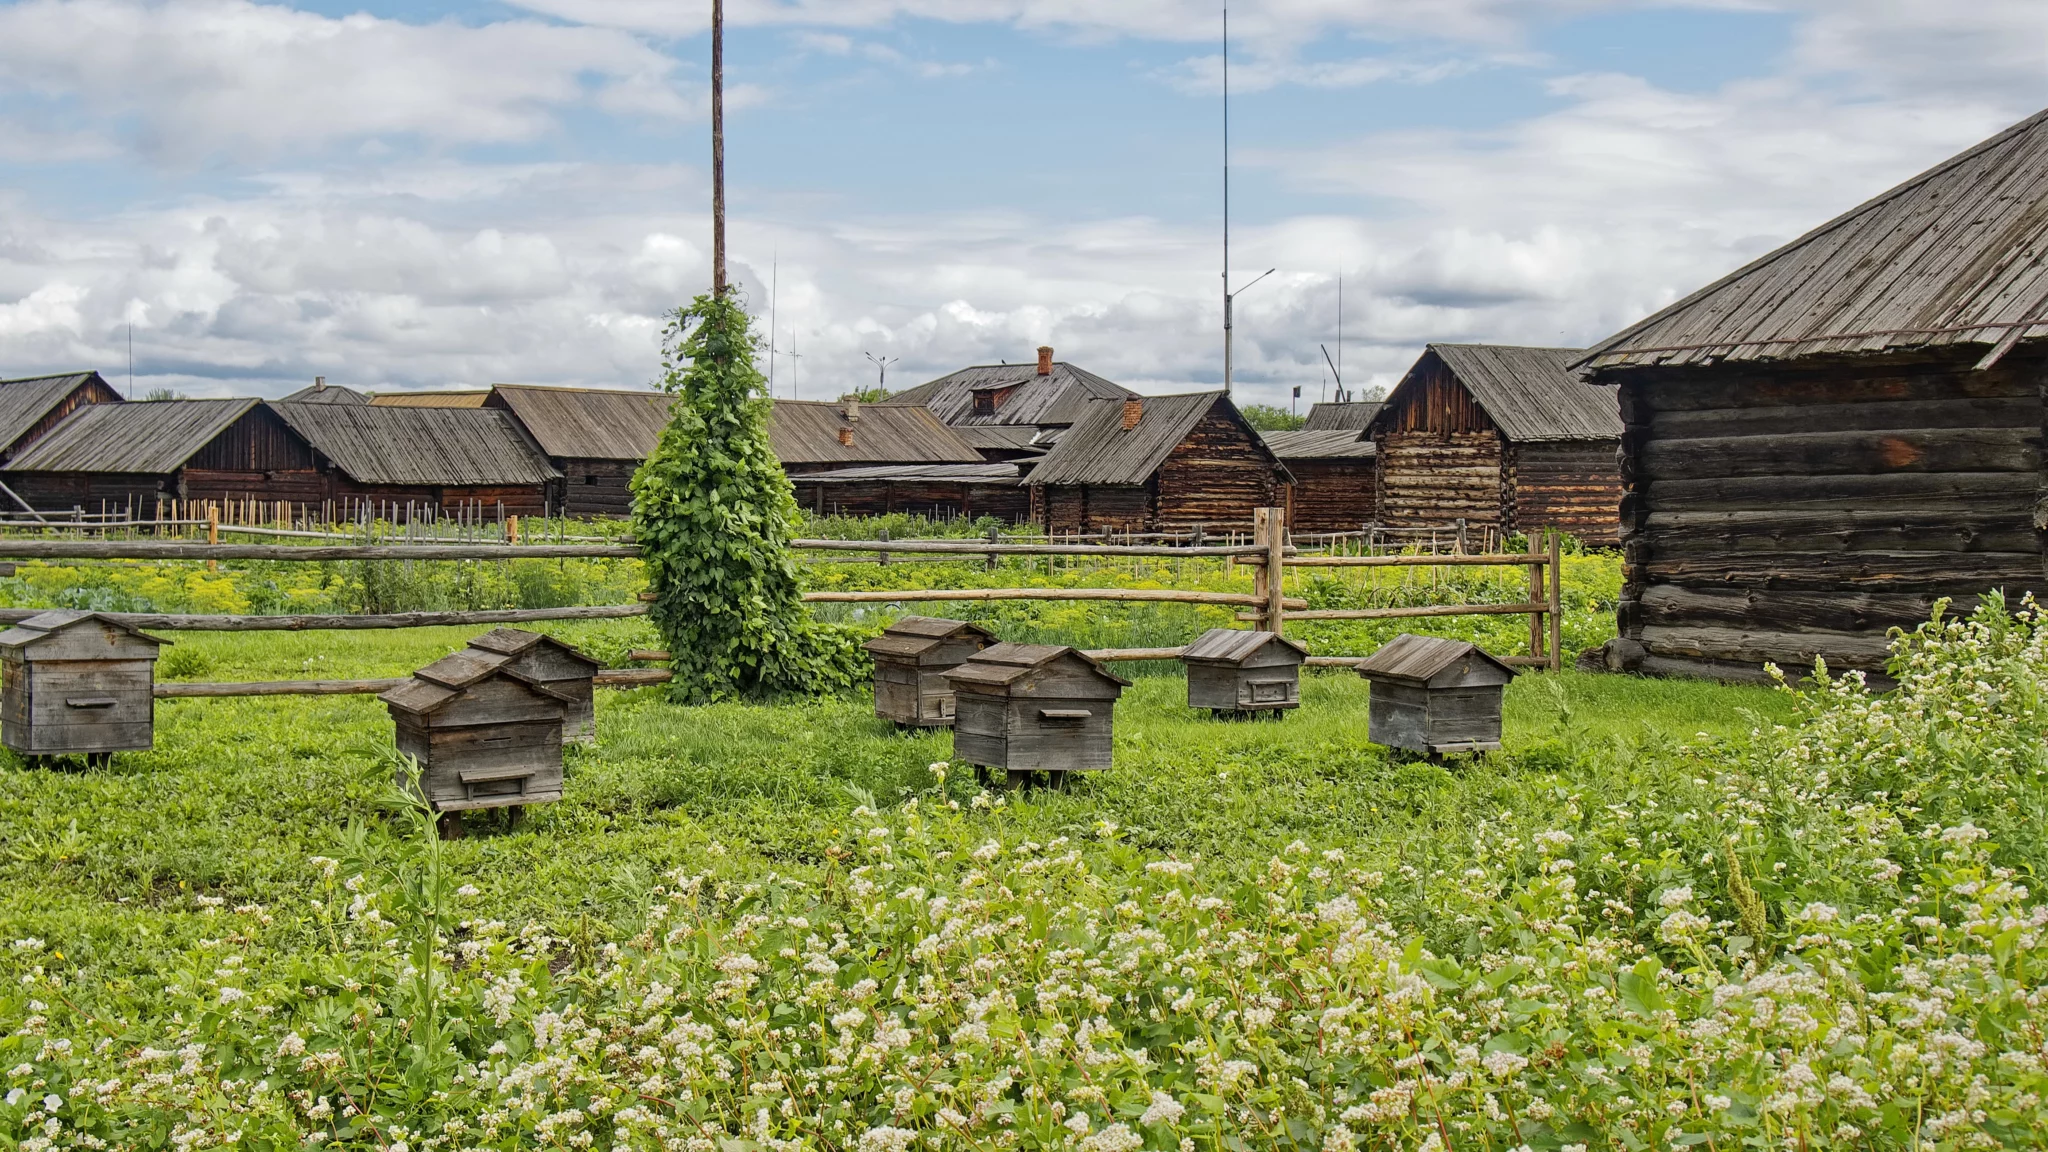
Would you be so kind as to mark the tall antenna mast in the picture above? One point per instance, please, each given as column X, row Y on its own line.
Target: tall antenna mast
column 774, row 285
column 1226, row 199
column 718, row 147
column 1339, row 368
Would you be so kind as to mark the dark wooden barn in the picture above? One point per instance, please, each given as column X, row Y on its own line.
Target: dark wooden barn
column 439, row 458
column 939, row 491
column 813, row 436
column 1499, row 437
column 1155, row 463
column 1040, row 394
column 596, row 438
column 31, row 406
column 1335, row 478
column 132, row 454
column 1829, row 438
column 1349, row 416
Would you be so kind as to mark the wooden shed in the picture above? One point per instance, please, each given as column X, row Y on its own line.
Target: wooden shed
column 484, row 735
column 1025, row 708
column 596, row 438
column 1336, row 478
column 810, row 436
column 1500, row 437
column 939, row 491
column 1825, row 441
column 1433, row 695
column 912, row 657
column 1040, row 394
column 1234, row 670
column 33, row 405
column 555, row 666
column 135, row 453
column 77, row 683
column 425, row 458
column 1155, row 463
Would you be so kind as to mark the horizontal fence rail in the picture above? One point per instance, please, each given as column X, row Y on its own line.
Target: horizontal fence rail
column 991, row 548
column 1155, row 595
column 154, row 550
column 178, row 690
column 165, row 622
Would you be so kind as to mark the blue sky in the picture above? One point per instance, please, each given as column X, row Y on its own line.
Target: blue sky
column 409, row 195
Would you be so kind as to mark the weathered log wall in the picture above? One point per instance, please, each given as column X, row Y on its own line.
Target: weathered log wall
column 1785, row 512
column 1331, row 495
column 1429, row 479
column 594, row 487
column 1095, row 507
column 1571, row 485
column 1216, row 475
column 933, row 498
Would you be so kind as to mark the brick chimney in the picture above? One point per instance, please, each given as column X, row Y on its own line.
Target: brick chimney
column 319, row 383
column 1045, row 359
column 1134, row 411
column 846, row 437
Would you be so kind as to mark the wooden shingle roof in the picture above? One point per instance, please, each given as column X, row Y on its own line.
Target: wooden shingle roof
column 1098, row 449
column 1307, row 445
column 1531, row 394
column 1351, row 417
column 419, row 446
column 326, row 394
column 24, row 402
column 462, row 398
column 1058, row 398
column 587, row 423
column 1956, row 255
column 153, row 437
column 807, row 432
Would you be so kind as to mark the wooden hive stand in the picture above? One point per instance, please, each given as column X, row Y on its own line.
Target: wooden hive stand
column 1434, row 696
column 555, row 666
column 1234, row 672
column 77, row 684
column 483, row 734
column 912, row 657
column 1025, row 708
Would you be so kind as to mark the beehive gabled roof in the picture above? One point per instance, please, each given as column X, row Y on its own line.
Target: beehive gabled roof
column 1233, row 644
column 1418, row 659
column 518, row 642
column 916, row 635
column 434, row 686
column 1955, row 255
column 1005, row 664
column 43, row 625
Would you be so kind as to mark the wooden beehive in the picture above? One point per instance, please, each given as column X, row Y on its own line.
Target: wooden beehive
column 77, row 683
column 484, row 734
column 1233, row 670
column 1434, row 696
column 555, row 666
column 1034, row 708
column 912, row 657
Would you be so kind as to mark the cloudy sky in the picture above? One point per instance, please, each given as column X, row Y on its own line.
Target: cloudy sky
column 445, row 193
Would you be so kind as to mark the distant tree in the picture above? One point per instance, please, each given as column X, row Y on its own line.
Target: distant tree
column 870, row 395
column 161, row 394
column 1272, row 418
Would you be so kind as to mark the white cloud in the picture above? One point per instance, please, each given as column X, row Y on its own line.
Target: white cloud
column 192, row 79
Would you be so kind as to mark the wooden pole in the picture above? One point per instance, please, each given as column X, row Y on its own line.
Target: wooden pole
column 1152, row 595
column 718, row 147
column 1273, row 523
column 212, row 532
column 1535, row 593
column 1556, row 601
column 512, row 530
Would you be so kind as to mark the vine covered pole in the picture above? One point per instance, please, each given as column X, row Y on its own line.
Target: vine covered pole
column 718, row 147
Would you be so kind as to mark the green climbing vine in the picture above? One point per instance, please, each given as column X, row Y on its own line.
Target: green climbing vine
column 713, row 513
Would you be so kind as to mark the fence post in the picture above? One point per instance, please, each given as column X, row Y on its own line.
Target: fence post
column 511, row 529
column 993, row 532
column 1269, row 528
column 1556, row 601
column 1536, row 596
column 883, row 535
column 212, row 531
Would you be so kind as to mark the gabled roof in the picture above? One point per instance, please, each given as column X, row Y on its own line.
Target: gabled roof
column 136, row 436
column 807, row 432
column 516, row 642
column 1531, row 394
column 460, row 398
column 24, row 402
column 1057, row 398
column 1956, row 255
column 326, row 394
column 445, row 679
column 587, row 423
column 1005, row 664
column 419, row 446
column 43, row 624
column 1098, row 449
column 1340, row 444
column 1234, row 644
column 1000, row 437
column 1353, row 417
column 1419, row 659
column 916, row 635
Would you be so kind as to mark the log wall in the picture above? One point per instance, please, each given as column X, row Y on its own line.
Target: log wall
column 1572, row 485
column 936, row 499
column 1430, row 479
column 596, row 487
column 1095, row 507
column 1331, row 495
column 1216, row 475
column 1783, row 512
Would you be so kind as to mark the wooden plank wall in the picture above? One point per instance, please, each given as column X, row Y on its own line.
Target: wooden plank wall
column 1776, row 513
column 597, row 487
column 1572, row 485
column 1216, row 475
column 1332, row 495
column 1087, row 508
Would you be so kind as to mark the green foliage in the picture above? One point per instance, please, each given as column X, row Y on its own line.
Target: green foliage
column 713, row 512
column 1271, row 418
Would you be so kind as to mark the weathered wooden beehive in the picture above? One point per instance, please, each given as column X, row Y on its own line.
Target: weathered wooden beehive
column 912, row 657
column 1432, row 695
column 1034, row 708
column 555, row 666
column 1233, row 670
column 484, row 734
column 77, row 683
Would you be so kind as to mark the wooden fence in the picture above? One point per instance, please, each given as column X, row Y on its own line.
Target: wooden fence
column 1268, row 553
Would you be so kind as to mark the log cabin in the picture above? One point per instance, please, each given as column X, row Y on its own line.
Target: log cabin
column 1335, row 478
column 131, row 454
column 442, row 459
column 1046, row 394
column 814, row 436
column 1822, row 443
column 596, row 438
column 935, row 491
column 1153, row 463
column 1499, row 437
column 33, row 405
